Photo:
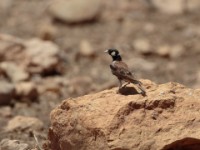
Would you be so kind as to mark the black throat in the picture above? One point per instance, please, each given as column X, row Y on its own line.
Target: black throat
column 117, row 58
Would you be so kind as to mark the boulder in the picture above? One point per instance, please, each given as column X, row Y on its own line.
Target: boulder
column 166, row 118
column 75, row 11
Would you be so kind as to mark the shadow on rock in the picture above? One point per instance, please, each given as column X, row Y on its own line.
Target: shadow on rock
column 128, row 91
column 184, row 144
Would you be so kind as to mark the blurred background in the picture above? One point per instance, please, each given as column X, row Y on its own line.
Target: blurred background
column 52, row 50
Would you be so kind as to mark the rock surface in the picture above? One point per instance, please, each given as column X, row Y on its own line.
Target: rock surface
column 166, row 118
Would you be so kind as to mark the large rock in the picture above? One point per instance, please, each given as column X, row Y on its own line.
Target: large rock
column 166, row 118
column 74, row 11
column 7, row 91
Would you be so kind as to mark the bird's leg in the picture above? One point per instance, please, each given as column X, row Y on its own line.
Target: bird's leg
column 126, row 84
column 120, row 85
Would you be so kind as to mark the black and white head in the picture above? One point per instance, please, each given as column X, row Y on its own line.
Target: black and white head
column 114, row 53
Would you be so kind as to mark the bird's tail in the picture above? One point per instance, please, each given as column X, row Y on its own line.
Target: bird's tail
column 139, row 85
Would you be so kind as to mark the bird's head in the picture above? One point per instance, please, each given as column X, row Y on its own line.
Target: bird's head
column 112, row 52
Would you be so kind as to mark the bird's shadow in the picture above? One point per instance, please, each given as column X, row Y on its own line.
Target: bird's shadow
column 129, row 91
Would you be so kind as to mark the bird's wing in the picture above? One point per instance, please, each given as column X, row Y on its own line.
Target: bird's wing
column 121, row 70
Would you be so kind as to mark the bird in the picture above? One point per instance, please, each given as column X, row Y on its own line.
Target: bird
column 120, row 69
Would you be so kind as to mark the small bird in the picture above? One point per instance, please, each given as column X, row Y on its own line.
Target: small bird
column 121, row 70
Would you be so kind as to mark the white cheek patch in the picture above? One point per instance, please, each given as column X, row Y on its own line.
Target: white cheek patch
column 113, row 53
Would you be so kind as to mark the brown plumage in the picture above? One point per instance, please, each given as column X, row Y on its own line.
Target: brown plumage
column 121, row 70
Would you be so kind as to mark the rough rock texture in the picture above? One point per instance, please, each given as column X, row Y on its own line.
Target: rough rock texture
column 166, row 118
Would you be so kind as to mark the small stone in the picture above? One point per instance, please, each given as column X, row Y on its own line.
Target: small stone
column 5, row 111
column 14, row 71
column 7, row 91
column 173, row 51
column 169, row 6
column 75, row 11
column 86, row 49
column 21, row 123
column 47, row 31
column 7, row 144
column 163, row 50
column 26, row 90
column 176, row 51
column 142, row 46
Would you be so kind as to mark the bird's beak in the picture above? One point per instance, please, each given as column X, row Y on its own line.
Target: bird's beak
column 106, row 51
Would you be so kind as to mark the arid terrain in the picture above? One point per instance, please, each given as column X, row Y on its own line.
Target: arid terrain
column 54, row 50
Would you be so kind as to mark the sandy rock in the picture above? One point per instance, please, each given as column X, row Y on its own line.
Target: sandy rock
column 142, row 46
column 14, row 72
column 169, row 6
column 167, row 118
column 75, row 11
column 7, row 144
column 7, row 91
column 26, row 90
column 22, row 123
column 43, row 55
column 86, row 49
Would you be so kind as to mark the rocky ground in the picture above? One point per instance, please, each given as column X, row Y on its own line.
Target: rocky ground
column 53, row 50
